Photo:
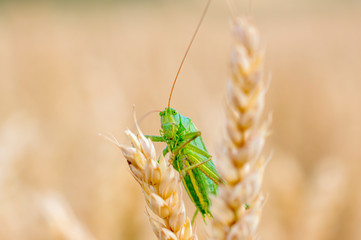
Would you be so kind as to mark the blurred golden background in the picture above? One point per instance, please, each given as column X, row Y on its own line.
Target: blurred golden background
column 72, row 69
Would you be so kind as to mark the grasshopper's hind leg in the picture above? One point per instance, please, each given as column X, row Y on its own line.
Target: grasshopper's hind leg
column 189, row 137
column 209, row 172
column 196, row 165
column 214, row 176
column 199, row 151
column 195, row 215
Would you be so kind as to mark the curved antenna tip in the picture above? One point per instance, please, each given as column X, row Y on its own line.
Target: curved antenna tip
column 188, row 48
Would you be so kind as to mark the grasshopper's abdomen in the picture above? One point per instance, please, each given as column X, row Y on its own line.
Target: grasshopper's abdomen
column 195, row 184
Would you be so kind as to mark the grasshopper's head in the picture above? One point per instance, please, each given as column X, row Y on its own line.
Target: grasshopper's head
column 170, row 120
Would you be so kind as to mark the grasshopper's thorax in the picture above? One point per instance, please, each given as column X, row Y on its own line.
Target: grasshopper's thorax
column 170, row 120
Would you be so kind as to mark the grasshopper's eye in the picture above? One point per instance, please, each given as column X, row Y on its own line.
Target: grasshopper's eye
column 173, row 112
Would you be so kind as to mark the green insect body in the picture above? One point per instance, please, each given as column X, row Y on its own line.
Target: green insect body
column 190, row 158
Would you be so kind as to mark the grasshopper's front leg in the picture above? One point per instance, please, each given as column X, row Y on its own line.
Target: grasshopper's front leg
column 155, row 138
column 158, row 139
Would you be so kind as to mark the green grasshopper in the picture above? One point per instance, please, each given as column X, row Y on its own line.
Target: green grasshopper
column 189, row 155
column 190, row 158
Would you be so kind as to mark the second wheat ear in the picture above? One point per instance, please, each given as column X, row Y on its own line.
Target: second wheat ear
column 237, row 209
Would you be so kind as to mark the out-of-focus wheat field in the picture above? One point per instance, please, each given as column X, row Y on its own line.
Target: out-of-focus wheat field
column 69, row 71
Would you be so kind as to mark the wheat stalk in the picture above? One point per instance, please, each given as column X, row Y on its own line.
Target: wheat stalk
column 160, row 185
column 238, row 207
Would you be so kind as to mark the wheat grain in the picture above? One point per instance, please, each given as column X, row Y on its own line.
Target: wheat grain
column 160, row 185
column 238, row 207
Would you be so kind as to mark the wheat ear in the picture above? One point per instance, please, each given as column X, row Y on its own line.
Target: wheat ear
column 160, row 185
column 238, row 207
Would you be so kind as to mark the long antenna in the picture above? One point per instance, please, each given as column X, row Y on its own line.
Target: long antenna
column 189, row 46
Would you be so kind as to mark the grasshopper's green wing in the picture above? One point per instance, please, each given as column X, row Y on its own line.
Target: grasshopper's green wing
column 208, row 168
